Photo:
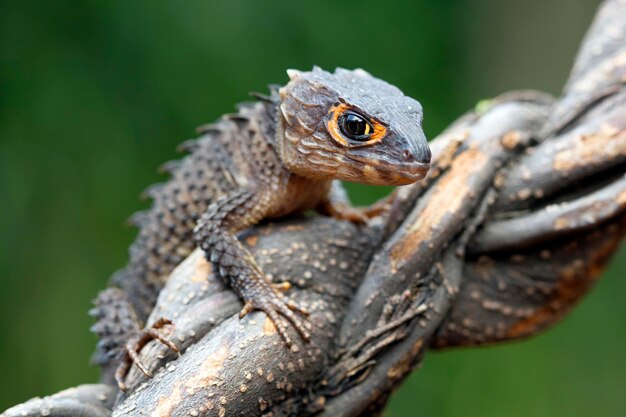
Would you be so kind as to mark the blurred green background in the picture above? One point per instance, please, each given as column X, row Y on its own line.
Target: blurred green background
column 95, row 95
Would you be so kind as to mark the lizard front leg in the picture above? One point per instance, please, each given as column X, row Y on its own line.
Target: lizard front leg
column 337, row 205
column 215, row 234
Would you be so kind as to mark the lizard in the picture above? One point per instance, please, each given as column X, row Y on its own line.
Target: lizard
column 283, row 154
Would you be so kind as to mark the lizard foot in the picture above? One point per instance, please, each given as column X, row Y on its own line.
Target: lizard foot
column 352, row 214
column 267, row 298
column 136, row 344
column 356, row 215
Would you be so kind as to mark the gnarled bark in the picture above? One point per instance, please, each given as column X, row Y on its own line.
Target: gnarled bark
column 523, row 208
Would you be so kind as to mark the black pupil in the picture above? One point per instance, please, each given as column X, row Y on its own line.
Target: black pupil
column 354, row 126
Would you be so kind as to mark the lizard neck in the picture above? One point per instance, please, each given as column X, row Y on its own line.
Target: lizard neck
column 299, row 194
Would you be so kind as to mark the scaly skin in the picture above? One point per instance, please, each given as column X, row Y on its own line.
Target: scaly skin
column 272, row 158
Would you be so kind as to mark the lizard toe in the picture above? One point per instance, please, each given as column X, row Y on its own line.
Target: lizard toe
column 278, row 309
column 134, row 347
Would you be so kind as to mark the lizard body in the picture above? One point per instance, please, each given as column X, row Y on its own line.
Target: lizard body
column 280, row 155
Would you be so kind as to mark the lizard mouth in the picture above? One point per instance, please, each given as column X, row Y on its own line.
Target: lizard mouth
column 392, row 173
column 409, row 172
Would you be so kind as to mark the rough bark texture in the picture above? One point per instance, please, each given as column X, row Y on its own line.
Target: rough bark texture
column 523, row 209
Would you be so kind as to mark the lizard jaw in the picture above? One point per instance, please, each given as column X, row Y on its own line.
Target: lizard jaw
column 390, row 173
column 402, row 174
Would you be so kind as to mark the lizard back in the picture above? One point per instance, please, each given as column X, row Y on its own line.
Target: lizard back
column 232, row 153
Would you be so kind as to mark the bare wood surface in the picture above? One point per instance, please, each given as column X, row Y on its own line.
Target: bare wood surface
column 523, row 208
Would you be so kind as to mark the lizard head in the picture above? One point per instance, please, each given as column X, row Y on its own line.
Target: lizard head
column 351, row 126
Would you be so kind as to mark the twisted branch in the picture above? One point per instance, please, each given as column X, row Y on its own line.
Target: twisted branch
column 523, row 208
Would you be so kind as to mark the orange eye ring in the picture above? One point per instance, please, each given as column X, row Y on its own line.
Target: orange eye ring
column 374, row 131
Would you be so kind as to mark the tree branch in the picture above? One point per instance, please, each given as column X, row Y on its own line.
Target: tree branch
column 524, row 206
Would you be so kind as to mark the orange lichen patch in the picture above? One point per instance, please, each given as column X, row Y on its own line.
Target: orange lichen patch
column 498, row 180
column 511, row 139
column 621, row 198
column 444, row 155
column 202, row 270
column 524, row 194
column 166, row 404
column 209, row 370
column 574, row 281
column 561, row 223
column 194, row 267
column 268, row 327
column 450, row 193
column 608, row 143
column 207, row 373
column 404, row 365
column 452, row 141
column 252, row 240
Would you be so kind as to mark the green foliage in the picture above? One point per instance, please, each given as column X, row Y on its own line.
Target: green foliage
column 483, row 105
column 95, row 95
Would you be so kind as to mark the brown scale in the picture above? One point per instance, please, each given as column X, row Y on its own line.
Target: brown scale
column 272, row 158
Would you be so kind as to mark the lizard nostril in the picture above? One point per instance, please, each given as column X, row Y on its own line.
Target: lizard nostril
column 408, row 156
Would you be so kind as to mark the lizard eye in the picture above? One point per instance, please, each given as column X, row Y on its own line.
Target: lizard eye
column 355, row 127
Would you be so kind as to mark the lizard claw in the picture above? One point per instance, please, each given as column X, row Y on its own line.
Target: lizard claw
column 272, row 303
column 352, row 214
column 295, row 307
column 134, row 347
column 284, row 286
